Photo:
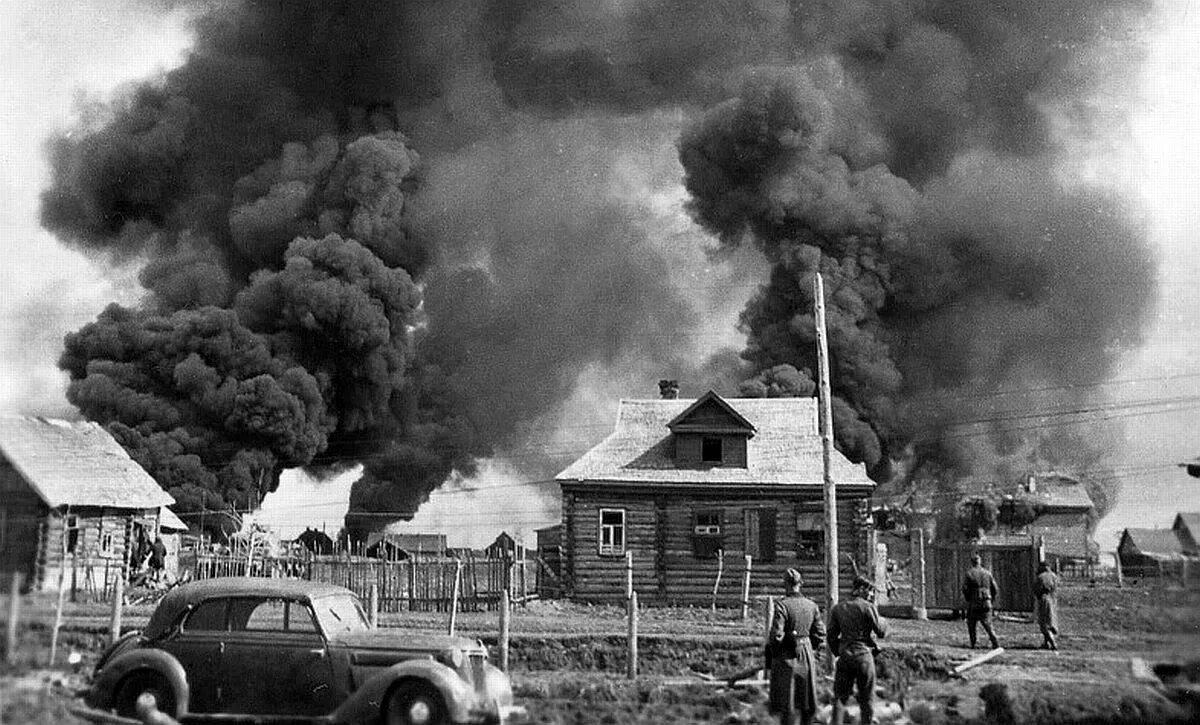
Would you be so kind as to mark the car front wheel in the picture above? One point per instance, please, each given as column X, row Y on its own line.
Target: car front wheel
column 416, row 703
column 149, row 683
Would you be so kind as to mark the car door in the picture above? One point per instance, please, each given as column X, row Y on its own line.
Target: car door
column 197, row 643
column 275, row 660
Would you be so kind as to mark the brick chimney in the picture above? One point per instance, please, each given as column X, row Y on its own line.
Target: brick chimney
column 668, row 389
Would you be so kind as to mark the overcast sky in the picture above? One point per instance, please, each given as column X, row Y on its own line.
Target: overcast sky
column 58, row 54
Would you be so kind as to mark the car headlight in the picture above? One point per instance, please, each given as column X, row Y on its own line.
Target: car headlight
column 452, row 657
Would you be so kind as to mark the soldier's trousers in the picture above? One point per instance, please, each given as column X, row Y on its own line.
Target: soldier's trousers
column 981, row 614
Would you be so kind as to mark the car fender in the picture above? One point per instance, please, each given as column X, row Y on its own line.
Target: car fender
column 125, row 663
column 367, row 702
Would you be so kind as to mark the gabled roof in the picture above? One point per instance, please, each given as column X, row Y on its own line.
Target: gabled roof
column 1051, row 490
column 1056, row 490
column 1153, row 542
column 77, row 464
column 786, row 449
column 425, row 543
column 1189, row 521
column 727, row 419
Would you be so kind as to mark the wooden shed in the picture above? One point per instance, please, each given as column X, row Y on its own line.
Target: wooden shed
column 1187, row 530
column 691, row 488
column 73, row 504
column 1145, row 552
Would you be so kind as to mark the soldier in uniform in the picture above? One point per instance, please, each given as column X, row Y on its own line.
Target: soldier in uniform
column 853, row 626
column 796, row 633
column 1045, row 589
column 979, row 589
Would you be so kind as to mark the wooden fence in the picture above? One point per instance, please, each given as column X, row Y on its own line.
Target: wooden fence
column 1013, row 566
column 425, row 584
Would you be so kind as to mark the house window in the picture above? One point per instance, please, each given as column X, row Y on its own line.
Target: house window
column 710, row 450
column 810, row 533
column 72, row 533
column 612, row 531
column 760, row 533
column 108, row 543
column 707, row 539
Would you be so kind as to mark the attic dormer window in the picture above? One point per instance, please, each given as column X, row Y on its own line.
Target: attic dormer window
column 710, row 450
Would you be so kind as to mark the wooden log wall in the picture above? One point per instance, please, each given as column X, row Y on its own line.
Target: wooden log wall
column 659, row 532
column 98, row 547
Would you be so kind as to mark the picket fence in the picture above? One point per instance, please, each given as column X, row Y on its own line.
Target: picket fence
column 425, row 584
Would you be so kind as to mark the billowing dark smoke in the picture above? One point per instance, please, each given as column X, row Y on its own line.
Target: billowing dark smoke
column 912, row 161
column 396, row 232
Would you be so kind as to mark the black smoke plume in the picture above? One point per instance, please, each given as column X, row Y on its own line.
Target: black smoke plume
column 396, row 232
column 912, row 161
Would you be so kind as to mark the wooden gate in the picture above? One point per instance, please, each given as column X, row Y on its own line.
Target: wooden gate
column 1013, row 566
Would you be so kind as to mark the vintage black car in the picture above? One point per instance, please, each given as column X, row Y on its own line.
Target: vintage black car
column 270, row 649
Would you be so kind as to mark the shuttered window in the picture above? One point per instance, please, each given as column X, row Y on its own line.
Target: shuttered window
column 810, row 532
column 707, row 533
column 612, row 531
column 760, row 533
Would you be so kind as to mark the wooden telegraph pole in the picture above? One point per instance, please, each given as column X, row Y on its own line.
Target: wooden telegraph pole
column 826, row 426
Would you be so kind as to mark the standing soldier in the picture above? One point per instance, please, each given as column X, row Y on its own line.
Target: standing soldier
column 853, row 625
column 1045, row 589
column 796, row 633
column 979, row 589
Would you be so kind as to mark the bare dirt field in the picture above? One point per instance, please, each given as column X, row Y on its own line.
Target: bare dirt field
column 568, row 662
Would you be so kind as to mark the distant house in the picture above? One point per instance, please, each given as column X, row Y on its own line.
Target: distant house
column 1064, row 520
column 72, row 503
column 1187, row 530
column 1144, row 552
column 405, row 546
column 1064, row 515
column 504, row 547
column 689, row 487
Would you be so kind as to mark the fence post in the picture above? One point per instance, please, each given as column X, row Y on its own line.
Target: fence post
column 62, row 589
column 918, row 578
column 717, row 583
column 633, row 636
column 768, row 619
column 746, row 588
column 14, row 615
column 504, row 625
column 879, row 573
column 628, row 575
column 118, row 605
column 1120, row 575
column 454, row 597
column 374, row 605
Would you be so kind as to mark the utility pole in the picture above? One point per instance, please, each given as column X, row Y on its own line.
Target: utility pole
column 826, row 426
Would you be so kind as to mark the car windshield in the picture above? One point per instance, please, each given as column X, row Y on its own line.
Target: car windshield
column 339, row 614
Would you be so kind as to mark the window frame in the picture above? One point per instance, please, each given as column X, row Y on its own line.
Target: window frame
column 71, row 533
column 611, row 548
column 809, row 548
column 764, row 514
column 191, row 611
column 716, row 441
column 709, row 544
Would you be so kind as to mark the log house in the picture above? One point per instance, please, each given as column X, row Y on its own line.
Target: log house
column 692, row 486
column 72, row 501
